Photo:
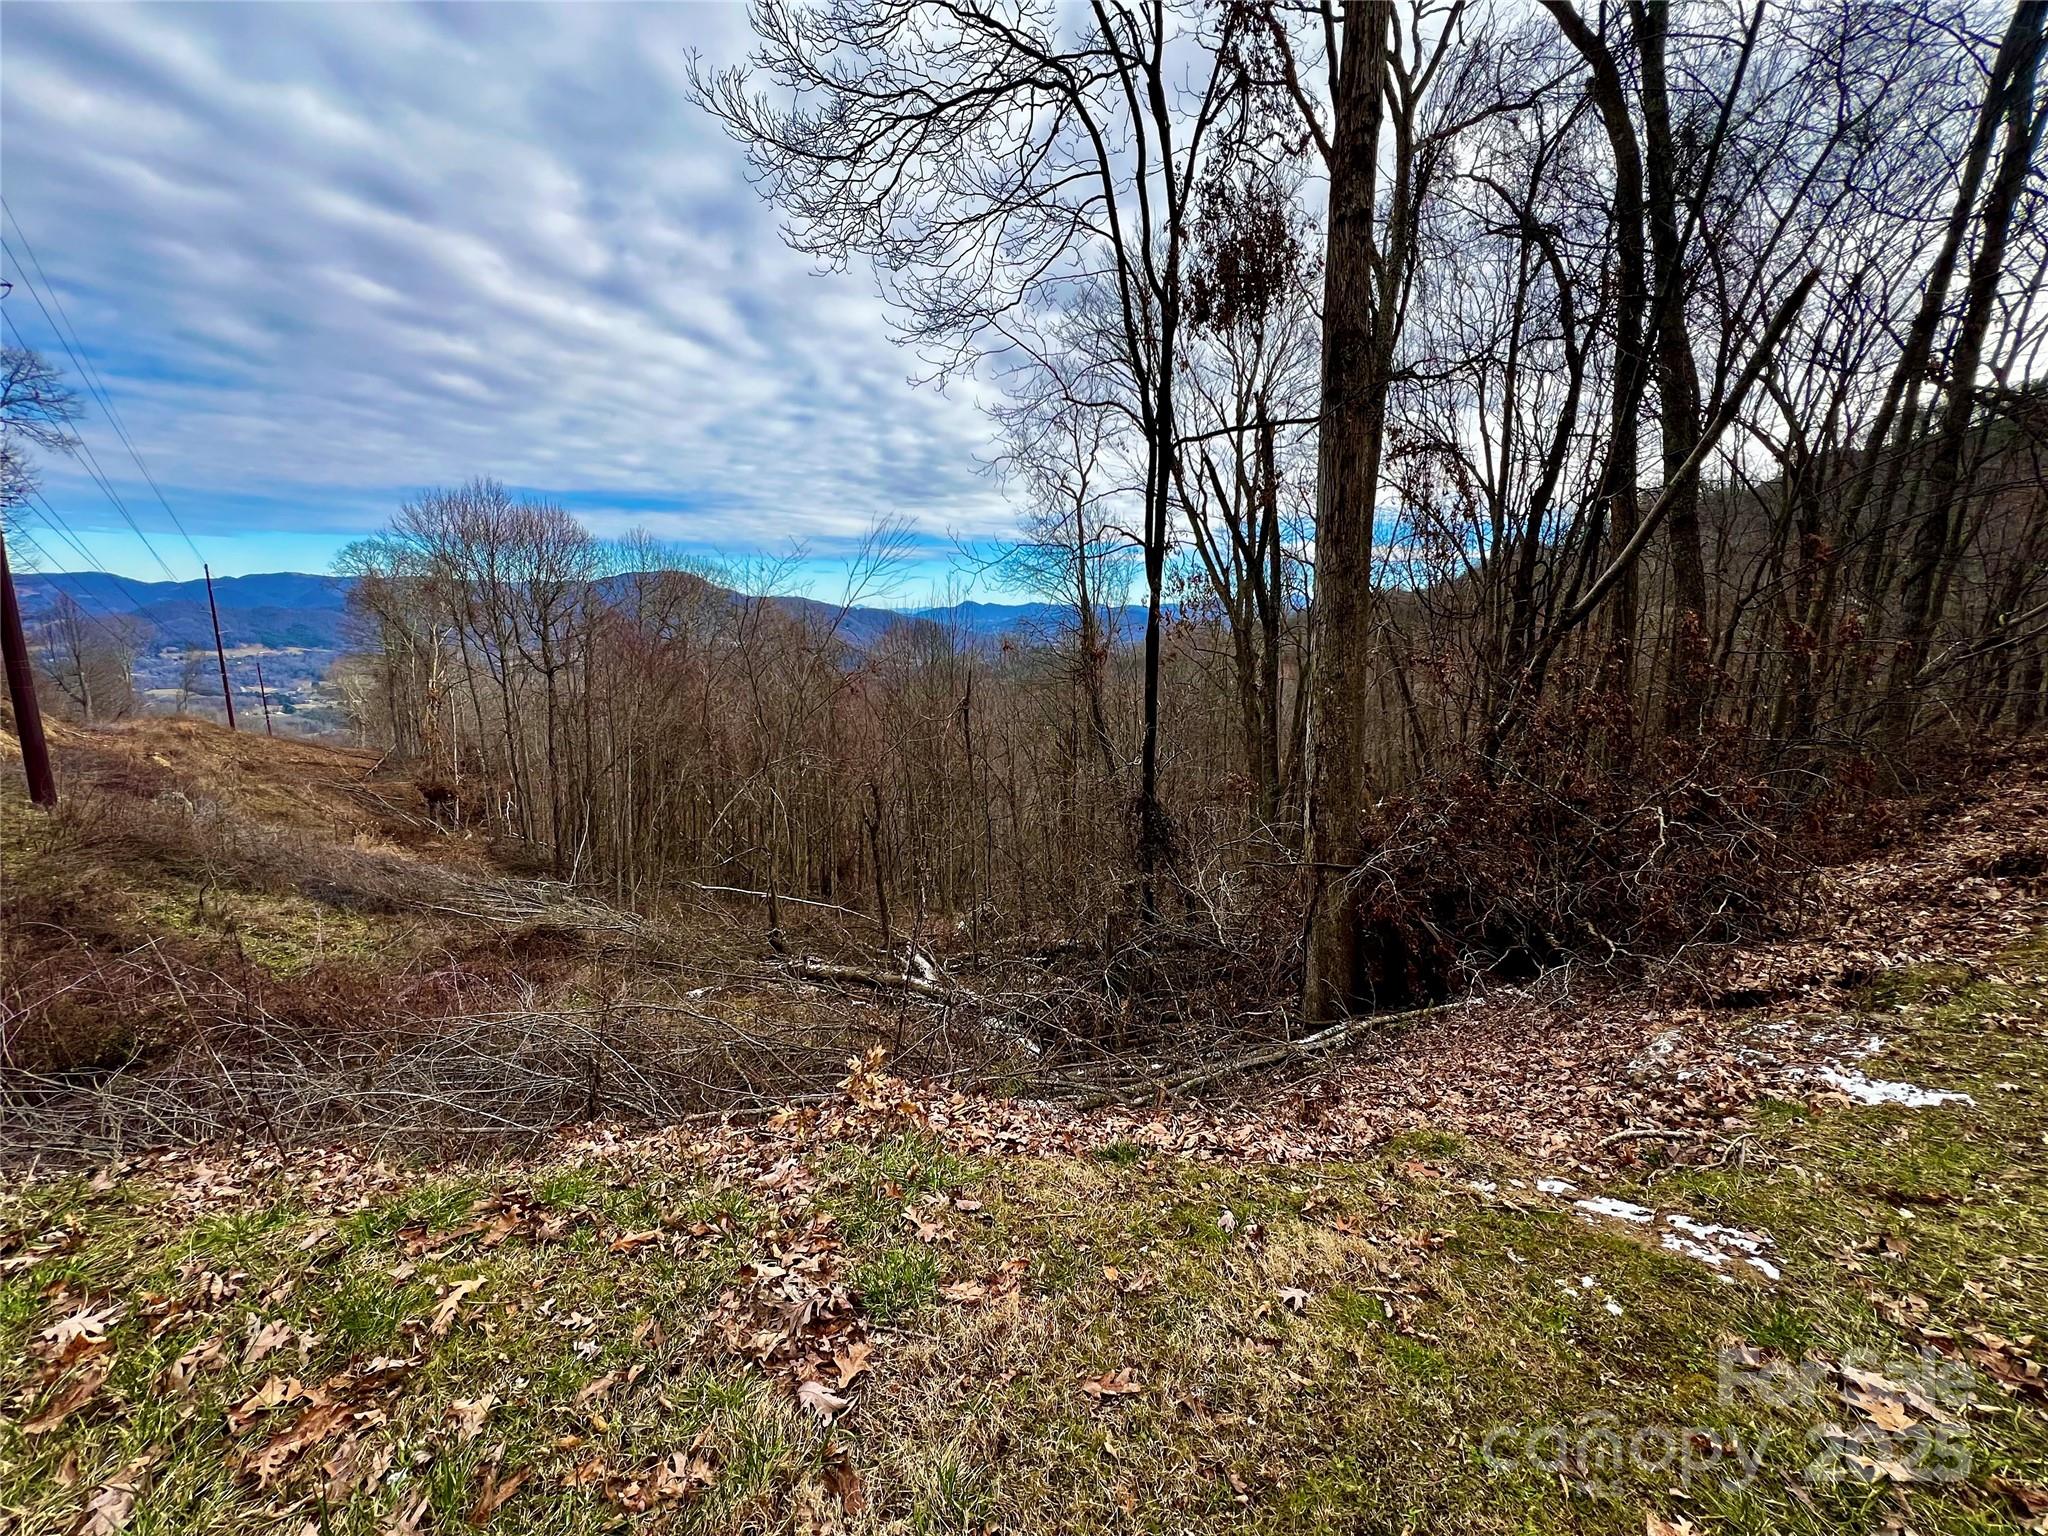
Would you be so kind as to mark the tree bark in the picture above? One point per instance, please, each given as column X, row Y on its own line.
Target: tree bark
column 1678, row 381
column 1618, row 488
column 1358, row 322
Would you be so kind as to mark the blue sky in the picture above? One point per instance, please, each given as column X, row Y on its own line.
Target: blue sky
column 324, row 256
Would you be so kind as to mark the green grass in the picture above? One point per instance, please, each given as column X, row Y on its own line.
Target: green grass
column 1346, row 1348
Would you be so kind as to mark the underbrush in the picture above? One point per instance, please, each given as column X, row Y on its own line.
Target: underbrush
column 1417, row 1341
column 1496, row 872
column 173, row 970
column 184, row 959
column 1570, row 846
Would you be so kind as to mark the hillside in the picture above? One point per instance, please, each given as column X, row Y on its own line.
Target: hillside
column 1509, row 998
column 336, row 1205
column 292, row 610
column 298, row 625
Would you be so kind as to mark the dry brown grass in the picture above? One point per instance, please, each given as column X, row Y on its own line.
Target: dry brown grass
column 219, row 934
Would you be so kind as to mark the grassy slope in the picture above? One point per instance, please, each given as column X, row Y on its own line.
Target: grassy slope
column 176, row 830
column 1328, row 1356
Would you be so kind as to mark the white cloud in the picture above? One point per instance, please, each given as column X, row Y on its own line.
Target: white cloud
column 326, row 253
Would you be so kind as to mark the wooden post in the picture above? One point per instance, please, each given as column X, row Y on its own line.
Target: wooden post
column 263, row 693
column 21, row 689
column 220, row 653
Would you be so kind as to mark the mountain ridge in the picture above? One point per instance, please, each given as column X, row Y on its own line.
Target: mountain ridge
column 300, row 610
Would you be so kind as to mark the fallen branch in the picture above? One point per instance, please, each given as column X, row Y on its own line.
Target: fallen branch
column 1655, row 1133
column 1285, row 1051
column 938, row 991
column 783, row 896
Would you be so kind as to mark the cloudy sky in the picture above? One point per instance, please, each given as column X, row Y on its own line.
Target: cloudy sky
column 322, row 256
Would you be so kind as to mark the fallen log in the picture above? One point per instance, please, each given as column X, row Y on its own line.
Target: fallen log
column 938, row 991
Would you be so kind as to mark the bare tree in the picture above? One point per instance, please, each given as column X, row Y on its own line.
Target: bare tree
column 37, row 409
column 1012, row 181
column 88, row 660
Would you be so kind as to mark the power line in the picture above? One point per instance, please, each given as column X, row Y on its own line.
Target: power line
column 64, row 533
column 76, row 594
column 92, row 377
column 112, row 624
column 106, row 618
column 93, row 469
column 58, row 526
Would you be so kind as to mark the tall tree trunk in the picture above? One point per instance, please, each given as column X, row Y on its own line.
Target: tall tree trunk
column 1678, row 381
column 1897, row 415
column 1269, row 607
column 1357, row 352
column 1618, row 489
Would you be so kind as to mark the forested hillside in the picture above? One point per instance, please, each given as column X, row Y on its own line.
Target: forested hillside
column 1472, row 955
column 1657, row 544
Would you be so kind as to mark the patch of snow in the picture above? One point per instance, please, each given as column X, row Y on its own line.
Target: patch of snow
column 1716, row 1246
column 1865, row 1090
column 1620, row 1210
column 1483, row 1186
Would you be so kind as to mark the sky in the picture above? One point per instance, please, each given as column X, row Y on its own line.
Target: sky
column 322, row 257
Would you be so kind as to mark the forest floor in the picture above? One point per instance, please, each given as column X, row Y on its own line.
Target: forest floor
column 1766, row 1252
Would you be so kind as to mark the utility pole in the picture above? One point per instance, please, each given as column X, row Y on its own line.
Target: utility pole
column 227, row 696
column 263, row 693
column 21, row 689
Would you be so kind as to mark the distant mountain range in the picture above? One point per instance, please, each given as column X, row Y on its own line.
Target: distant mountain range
column 284, row 610
column 306, row 616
